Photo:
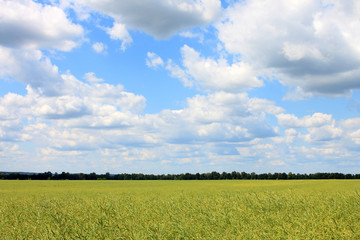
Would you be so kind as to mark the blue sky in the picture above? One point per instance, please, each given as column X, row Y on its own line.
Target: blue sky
column 179, row 86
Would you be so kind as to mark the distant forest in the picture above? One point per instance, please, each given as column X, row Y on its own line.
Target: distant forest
column 186, row 176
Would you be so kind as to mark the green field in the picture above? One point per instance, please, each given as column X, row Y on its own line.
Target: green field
column 228, row 209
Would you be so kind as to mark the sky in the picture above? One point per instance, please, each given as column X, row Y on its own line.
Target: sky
column 180, row 86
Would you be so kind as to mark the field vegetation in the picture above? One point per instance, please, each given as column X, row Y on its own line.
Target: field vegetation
column 223, row 209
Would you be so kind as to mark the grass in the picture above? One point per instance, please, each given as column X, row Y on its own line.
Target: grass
column 300, row 209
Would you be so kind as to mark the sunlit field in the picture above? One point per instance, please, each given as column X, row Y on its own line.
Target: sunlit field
column 225, row 209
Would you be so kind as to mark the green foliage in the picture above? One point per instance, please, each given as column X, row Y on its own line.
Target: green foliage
column 302, row 209
column 187, row 176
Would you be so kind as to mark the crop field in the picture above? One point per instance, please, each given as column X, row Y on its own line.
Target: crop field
column 224, row 209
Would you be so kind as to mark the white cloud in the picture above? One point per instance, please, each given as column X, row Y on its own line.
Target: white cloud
column 104, row 94
column 60, row 107
column 297, row 94
column 179, row 73
column 158, row 18
column 32, row 68
column 317, row 153
column 99, row 47
column 259, row 104
column 11, row 156
column 65, row 122
column 352, row 123
column 290, row 135
column 320, row 126
column 95, row 116
column 27, row 24
column 215, row 75
column 90, row 77
column 296, row 52
column 218, row 117
column 351, row 129
column 316, row 120
column 13, row 130
column 189, row 34
column 86, row 120
column 82, row 12
column 324, row 133
column 355, row 137
column 218, row 75
column 311, row 45
column 154, row 61
column 119, row 32
column 277, row 163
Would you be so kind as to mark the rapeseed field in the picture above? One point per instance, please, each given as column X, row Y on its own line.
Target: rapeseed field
column 224, row 209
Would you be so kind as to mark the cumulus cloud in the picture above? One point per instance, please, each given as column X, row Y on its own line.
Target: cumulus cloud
column 316, row 120
column 27, row 24
column 218, row 117
column 96, row 120
column 189, row 34
column 324, row 133
column 32, row 68
column 320, row 126
column 11, row 156
column 215, row 75
column 277, row 163
column 56, row 120
column 13, row 131
column 158, row 18
column 90, row 77
column 320, row 154
column 297, row 94
column 218, row 75
column 355, row 137
column 99, row 47
column 352, row 123
column 119, row 32
column 351, row 128
column 82, row 12
column 60, row 107
column 179, row 73
column 96, row 115
column 154, row 61
column 310, row 45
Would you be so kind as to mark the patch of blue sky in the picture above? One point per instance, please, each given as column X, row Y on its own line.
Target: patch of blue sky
column 8, row 85
column 339, row 107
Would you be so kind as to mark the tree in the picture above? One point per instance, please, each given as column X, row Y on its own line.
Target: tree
column 92, row 176
column 253, row 175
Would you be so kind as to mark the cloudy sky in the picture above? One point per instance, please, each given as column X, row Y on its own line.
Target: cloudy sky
column 180, row 86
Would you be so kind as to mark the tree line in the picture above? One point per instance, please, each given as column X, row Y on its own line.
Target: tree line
column 184, row 176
